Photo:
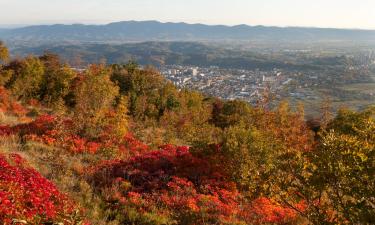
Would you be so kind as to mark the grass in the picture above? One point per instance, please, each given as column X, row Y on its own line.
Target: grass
column 6, row 119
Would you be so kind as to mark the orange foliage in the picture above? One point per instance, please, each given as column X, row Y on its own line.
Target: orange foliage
column 264, row 210
column 8, row 105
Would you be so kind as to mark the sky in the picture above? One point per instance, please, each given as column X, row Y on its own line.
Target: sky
column 308, row 13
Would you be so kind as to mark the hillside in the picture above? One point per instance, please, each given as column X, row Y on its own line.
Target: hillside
column 180, row 53
column 119, row 144
column 140, row 31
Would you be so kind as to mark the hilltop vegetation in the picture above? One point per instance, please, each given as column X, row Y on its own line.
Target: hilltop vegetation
column 117, row 144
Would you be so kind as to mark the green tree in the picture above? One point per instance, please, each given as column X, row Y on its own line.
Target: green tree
column 142, row 87
column 225, row 114
column 252, row 156
column 345, row 163
column 57, row 79
column 27, row 78
column 95, row 96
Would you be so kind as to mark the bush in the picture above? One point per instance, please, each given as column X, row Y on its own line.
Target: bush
column 27, row 196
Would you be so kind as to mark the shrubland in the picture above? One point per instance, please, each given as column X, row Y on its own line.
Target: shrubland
column 119, row 144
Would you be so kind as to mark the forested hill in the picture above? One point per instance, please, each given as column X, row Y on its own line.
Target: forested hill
column 174, row 53
column 156, row 31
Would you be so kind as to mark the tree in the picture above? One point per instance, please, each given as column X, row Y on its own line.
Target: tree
column 334, row 180
column 95, row 95
column 345, row 163
column 266, row 154
column 4, row 53
column 121, row 118
column 4, row 56
column 57, row 79
column 252, row 155
column 142, row 87
column 230, row 113
column 27, row 77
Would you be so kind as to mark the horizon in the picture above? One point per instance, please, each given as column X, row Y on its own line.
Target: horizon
column 15, row 26
column 340, row 14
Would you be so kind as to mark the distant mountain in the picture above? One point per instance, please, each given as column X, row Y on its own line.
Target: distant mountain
column 135, row 31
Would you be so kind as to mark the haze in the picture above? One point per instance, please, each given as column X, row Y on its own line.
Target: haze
column 317, row 13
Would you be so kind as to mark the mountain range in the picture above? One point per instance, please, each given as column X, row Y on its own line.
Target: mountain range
column 140, row 31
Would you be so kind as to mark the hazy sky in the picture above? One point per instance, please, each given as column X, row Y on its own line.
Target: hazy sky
column 317, row 13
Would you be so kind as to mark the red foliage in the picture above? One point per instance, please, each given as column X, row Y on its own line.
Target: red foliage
column 180, row 184
column 26, row 195
column 40, row 126
column 183, row 196
column 77, row 144
column 8, row 105
column 46, row 129
column 34, row 103
column 127, row 146
column 92, row 147
column 264, row 210
column 146, row 171
column 133, row 145
column 6, row 131
column 17, row 109
column 183, row 200
column 57, row 132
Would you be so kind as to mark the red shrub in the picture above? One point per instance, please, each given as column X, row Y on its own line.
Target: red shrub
column 26, row 195
column 17, row 109
column 6, row 131
column 264, row 210
column 174, row 183
column 8, row 105
column 178, row 183
column 48, row 130
column 4, row 99
column 133, row 145
column 92, row 147
column 146, row 172
column 34, row 103
column 39, row 126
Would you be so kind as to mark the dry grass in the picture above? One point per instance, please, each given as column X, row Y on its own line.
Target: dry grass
column 6, row 119
column 67, row 172
column 9, row 144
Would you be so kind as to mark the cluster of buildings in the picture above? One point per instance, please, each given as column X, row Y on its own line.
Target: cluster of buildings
column 247, row 85
column 299, row 84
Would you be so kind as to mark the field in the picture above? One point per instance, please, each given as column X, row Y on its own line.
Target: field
column 351, row 96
